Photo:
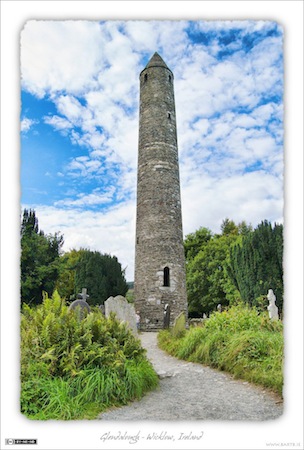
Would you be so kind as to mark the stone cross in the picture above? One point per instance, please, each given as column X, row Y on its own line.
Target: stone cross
column 83, row 295
column 272, row 307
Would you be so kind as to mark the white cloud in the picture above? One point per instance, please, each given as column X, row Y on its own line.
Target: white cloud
column 59, row 123
column 84, row 200
column 229, row 124
column 54, row 51
column 26, row 124
column 252, row 197
column 85, row 167
column 111, row 232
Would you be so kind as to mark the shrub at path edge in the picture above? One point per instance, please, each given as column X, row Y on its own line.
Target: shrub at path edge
column 73, row 369
column 239, row 341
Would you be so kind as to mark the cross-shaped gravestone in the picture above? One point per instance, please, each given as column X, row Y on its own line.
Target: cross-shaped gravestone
column 83, row 294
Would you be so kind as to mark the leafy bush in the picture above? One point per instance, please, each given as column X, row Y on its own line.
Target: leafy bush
column 240, row 341
column 73, row 368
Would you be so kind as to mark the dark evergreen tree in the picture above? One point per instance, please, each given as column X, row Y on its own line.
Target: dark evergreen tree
column 101, row 274
column 256, row 264
column 39, row 259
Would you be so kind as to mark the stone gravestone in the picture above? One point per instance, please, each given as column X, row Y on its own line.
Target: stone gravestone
column 179, row 325
column 125, row 312
column 272, row 307
column 167, row 316
column 81, row 303
column 102, row 309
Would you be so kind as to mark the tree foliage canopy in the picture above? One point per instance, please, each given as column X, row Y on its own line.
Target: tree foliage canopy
column 101, row 274
column 208, row 282
column 256, row 264
column 238, row 264
column 44, row 268
column 39, row 259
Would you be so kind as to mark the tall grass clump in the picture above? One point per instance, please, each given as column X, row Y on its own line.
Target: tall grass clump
column 73, row 368
column 240, row 341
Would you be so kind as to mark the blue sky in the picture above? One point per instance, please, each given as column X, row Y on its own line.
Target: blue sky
column 79, row 124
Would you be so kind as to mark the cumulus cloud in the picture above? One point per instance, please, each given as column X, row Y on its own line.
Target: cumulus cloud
column 54, row 51
column 110, row 232
column 26, row 124
column 228, row 78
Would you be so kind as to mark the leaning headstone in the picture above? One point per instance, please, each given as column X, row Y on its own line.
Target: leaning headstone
column 167, row 316
column 179, row 325
column 272, row 307
column 125, row 312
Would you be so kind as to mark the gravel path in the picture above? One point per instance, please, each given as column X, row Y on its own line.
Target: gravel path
column 190, row 391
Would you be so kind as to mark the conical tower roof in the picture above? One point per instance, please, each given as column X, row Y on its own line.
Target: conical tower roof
column 156, row 61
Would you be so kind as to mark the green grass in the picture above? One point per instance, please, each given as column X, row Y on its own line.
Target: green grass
column 239, row 341
column 75, row 369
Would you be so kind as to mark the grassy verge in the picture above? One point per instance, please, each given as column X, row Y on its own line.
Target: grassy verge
column 75, row 369
column 239, row 341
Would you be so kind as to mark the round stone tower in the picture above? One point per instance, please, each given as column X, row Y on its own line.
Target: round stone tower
column 160, row 279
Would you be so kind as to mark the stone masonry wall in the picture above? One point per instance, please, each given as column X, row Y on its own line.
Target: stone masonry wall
column 159, row 235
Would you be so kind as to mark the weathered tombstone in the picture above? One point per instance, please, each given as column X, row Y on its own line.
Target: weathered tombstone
column 125, row 312
column 167, row 312
column 102, row 309
column 179, row 325
column 84, row 308
column 219, row 307
column 272, row 307
column 81, row 304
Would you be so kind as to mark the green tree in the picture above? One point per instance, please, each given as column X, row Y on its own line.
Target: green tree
column 65, row 283
column 101, row 274
column 207, row 280
column 207, row 265
column 39, row 259
column 195, row 242
column 256, row 264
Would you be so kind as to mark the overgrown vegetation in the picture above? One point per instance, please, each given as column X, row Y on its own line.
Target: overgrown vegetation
column 240, row 341
column 74, row 369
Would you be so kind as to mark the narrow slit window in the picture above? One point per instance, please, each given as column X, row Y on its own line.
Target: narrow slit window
column 169, row 116
column 145, row 77
column 166, row 276
column 169, row 78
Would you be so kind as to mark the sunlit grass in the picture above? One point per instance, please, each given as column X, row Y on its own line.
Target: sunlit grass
column 75, row 369
column 239, row 341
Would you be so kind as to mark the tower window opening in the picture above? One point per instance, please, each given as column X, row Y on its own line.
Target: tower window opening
column 169, row 78
column 166, row 276
column 169, row 116
column 145, row 77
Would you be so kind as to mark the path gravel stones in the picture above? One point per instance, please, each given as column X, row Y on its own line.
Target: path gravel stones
column 190, row 391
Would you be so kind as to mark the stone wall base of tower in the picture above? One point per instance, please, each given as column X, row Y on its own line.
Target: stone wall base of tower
column 153, row 313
